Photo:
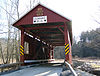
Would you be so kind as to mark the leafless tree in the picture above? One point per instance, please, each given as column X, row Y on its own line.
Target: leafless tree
column 12, row 48
column 10, row 13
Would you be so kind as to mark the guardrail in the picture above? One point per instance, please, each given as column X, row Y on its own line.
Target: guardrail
column 6, row 67
column 32, row 61
column 71, row 69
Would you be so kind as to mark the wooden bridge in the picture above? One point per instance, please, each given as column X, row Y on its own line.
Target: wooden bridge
column 42, row 29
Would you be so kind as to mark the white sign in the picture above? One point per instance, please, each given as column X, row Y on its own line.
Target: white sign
column 39, row 19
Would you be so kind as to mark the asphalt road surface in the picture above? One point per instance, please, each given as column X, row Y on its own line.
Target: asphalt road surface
column 40, row 70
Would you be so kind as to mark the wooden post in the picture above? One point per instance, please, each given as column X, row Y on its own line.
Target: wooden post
column 68, row 56
column 22, row 44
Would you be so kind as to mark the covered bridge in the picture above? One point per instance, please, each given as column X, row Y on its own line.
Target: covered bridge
column 42, row 29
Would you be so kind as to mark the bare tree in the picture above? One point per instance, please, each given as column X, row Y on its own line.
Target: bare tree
column 12, row 48
column 2, row 53
column 10, row 13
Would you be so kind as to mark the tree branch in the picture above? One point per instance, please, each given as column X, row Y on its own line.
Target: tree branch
column 8, row 13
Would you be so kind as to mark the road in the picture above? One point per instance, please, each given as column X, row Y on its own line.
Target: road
column 39, row 70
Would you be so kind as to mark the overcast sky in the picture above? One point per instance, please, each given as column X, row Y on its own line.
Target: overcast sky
column 81, row 12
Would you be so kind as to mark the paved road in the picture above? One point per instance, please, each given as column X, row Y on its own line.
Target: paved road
column 40, row 70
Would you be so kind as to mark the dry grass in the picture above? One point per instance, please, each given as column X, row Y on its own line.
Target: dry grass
column 14, row 61
column 87, row 59
column 95, row 63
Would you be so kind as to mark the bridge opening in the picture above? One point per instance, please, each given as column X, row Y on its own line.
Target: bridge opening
column 59, row 52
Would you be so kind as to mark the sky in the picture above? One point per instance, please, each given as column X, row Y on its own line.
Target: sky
column 81, row 12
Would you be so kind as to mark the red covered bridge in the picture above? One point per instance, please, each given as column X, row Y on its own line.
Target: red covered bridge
column 42, row 29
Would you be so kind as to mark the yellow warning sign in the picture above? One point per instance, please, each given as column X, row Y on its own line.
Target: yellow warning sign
column 66, row 49
column 21, row 50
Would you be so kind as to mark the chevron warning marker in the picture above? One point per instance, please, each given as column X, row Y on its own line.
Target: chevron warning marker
column 21, row 50
column 66, row 49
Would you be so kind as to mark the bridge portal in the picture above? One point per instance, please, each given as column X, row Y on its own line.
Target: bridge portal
column 41, row 30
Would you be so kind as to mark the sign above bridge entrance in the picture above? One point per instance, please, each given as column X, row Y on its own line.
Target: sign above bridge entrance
column 39, row 19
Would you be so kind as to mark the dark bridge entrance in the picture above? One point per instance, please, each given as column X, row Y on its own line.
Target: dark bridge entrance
column 42, row 29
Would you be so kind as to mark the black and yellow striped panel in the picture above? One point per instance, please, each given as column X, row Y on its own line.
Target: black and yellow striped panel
column 21, row 50
column 66, row 49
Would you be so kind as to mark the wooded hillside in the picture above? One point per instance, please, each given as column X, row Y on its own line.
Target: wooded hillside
column 89, row 44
